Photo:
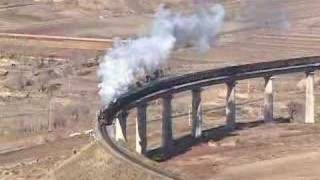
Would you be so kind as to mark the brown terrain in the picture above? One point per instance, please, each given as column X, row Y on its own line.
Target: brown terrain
column 49, row 96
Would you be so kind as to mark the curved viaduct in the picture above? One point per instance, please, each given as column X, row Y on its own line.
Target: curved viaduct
column 115, row 115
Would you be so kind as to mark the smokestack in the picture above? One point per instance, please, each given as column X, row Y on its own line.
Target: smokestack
column 134, row 59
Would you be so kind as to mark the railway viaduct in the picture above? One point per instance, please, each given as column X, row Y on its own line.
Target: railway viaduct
column 115, row 115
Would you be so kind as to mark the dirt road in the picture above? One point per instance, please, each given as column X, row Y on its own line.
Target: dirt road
column 297, row 167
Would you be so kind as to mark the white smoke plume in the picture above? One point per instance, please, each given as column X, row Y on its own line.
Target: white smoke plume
column 129, row 61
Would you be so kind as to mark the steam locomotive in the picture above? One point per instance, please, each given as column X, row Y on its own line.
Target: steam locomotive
column 106, row 114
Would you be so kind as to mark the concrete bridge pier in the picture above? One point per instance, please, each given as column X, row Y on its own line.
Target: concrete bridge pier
column 231, row 105
column 268, row 99
column 196, row 113
column 141, row 129
column 167, row 138
column 121, row 127
column 309, row 111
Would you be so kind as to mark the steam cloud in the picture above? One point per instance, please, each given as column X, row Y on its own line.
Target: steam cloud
column 129, row 61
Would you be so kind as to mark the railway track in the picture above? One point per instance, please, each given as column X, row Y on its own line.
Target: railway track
column 59, row 42
column 188, row 82
column 127, row 157
column 12, row 6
